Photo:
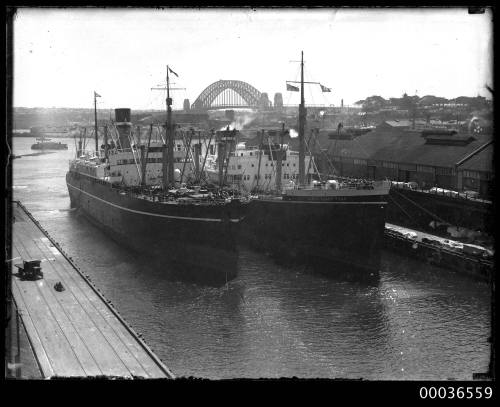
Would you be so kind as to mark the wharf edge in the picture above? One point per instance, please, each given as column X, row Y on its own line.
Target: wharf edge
column 160, row 365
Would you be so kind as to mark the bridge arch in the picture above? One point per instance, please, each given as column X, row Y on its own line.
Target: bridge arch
column 247, row 92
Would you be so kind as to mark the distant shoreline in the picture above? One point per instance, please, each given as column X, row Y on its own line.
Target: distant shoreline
column 47, row 135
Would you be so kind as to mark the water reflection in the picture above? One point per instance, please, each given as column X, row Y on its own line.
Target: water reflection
column 316, row 324
column 415, row 322
column 436, row 317
column 168, row 266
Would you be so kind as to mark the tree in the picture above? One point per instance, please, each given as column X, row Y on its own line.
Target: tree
column 374, row 103
column 429, row 100
column 396, row 102
column 477, row 102
column 409, row 102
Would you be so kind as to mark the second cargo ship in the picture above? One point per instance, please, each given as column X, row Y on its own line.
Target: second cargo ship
column 338, row 224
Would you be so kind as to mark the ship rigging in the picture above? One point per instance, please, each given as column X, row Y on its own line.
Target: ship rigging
column 129, row 189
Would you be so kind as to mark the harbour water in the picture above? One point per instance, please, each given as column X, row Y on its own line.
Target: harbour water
column 419, row 323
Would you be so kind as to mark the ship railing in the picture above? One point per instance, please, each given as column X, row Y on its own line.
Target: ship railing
column 186, row 201
column 344, row 183
column 191, row 201
column 271, row 192
column 120, row 150
column 165, row 198
column 319, row 187
column 127, row 150
column 471, row 196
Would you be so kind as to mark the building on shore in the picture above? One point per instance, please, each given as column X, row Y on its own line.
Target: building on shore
column 430, row 157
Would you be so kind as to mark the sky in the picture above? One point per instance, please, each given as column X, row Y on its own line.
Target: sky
column 62, row 55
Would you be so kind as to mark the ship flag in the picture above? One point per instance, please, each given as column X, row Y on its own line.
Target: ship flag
column 324, row 88
column 172, row 72
column 96, row 95
column 291, row 88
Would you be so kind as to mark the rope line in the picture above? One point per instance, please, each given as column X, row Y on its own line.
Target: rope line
column 420, row 207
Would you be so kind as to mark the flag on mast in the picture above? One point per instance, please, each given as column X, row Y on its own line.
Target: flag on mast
column 324, row 88
column 291, row 88
column 172, row 72
column 96, row 95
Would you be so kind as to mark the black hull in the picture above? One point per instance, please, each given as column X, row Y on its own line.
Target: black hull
column 416, row 210
column 41, row 146
column 200, row 250
column 338, row 239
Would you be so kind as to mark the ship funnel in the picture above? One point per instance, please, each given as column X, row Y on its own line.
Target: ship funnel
column 124, row 126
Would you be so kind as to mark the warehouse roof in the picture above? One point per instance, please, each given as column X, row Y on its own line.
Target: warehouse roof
column 408, row 147
column 482, row 161
column 398, row 123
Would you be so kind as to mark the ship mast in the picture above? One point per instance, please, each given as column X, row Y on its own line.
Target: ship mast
column 302, row 123
column 168, row 170
column 95, row 125
column 169, row 138
column 302, row 120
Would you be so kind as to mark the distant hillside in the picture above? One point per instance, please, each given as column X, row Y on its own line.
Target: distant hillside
column 427, row 102
column 25, row 118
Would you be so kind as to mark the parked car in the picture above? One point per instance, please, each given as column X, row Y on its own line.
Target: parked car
column 470, row 194
column 407, row 185
column 442, row 191
column 475, row 250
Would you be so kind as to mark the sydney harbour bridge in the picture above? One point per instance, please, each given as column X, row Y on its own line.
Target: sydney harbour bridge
column 227, row 94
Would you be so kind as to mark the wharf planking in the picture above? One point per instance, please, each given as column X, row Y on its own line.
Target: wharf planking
column 75, row 332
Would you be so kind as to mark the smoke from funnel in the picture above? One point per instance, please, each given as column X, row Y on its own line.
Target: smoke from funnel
column 474, row 122
column 240, row 122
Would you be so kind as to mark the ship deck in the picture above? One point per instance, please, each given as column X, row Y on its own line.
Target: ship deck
column 75, row 332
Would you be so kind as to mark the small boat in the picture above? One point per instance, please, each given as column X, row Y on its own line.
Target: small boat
column 43, row 143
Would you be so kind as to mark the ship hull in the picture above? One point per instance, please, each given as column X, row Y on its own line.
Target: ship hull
column 341, row 239
column 49, row 146
column 194, row 242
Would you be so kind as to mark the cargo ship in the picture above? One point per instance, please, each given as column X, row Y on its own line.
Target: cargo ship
column 254, row 169
column 130, row 190
column 335, row 224
column 44, row 143
column 442, row 212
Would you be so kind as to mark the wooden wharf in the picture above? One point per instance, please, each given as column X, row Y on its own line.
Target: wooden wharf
column 75, row 332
